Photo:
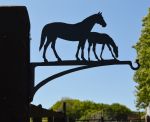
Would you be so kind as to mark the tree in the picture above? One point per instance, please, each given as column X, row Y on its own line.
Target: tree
column 119, row 112
column 109, row 112
column 77, row 109
column 142, row 75
column 73, row 107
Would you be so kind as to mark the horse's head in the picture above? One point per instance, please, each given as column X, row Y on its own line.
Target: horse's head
column 115, row 50
column 99, row 19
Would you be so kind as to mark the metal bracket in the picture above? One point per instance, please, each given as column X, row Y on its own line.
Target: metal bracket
column 84, row 65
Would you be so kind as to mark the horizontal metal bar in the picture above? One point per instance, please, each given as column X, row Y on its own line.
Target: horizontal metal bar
column 75, row 62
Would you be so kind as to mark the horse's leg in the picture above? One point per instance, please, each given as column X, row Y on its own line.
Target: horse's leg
column 45, row 48
column 102, row 51
column 77, row 53
column 111, row 51
column 89, row 48
column 94, row 50
column 82, row 48
column 53, row 47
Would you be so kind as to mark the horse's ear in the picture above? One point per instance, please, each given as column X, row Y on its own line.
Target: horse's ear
column 99, row 12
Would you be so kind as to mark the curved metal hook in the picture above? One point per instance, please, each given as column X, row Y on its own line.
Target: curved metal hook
column 137, row 67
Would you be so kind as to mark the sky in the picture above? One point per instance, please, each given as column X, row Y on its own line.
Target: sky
column 108, row 84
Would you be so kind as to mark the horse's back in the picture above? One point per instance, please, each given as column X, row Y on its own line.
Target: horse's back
column 71, row 32
column 99, row 37
column 58, row 25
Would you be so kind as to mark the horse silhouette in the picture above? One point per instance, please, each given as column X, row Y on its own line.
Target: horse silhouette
column 71, row 32
column 101, row 38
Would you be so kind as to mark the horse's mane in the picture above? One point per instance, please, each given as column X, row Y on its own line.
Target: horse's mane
column 89, row 17
column 86, row 19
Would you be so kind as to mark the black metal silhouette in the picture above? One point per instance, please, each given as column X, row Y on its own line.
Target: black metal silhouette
column 77, row 32
column 72, row 32
column 101, row 38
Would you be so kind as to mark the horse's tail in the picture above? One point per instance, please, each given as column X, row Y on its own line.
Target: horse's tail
column 43, row 36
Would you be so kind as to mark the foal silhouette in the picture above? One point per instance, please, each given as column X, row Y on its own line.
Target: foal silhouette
column 71, row 32
column 101, row 38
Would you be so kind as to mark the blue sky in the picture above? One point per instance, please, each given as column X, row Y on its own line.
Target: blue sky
column 110, row 84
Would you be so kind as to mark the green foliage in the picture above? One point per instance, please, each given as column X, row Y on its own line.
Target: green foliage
column 88, row 110
column 119, row 112
column 142, row 76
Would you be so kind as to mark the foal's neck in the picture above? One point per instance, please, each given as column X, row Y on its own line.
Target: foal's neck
column 112, row 43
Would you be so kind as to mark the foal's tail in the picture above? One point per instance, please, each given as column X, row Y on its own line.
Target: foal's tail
column 43, row 36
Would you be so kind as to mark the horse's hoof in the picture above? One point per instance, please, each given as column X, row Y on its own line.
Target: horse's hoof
column 83, row 59
column 98, row 60
column 102, row 59
column 78, row 59
column 45, row 60
column 59, row 60
column 116, row 59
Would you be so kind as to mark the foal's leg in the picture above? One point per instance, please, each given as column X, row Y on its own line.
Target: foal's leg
column 89, row 48
column 94, row 50
column 102, row 51
column 77, row 53
column 81, row 45
column 45, row 48
column 82, row 48
column 53, row 47
column 111, row 51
